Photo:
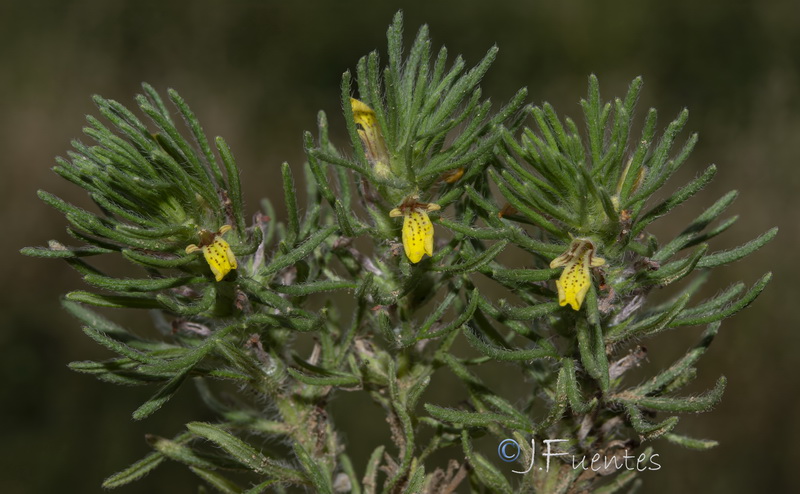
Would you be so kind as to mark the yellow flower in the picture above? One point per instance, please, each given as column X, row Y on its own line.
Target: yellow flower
column 217, row 252
column 369, row 130
column 576, row 279
column 417, row 228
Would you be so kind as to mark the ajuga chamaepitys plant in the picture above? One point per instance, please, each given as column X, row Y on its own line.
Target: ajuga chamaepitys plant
column 413, row 221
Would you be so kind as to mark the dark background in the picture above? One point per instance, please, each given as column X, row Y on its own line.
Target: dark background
column 257, row 72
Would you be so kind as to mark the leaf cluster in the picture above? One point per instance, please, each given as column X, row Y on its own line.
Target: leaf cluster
column 516, row 182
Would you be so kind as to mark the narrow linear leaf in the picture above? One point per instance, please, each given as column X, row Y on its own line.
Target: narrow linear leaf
column 189, row 358
column 291, row 202
column 474, row 419
column 263, row 294
column 199, row 136
column 529, row 312
column 592, row 351
column 728, row 256
column 526, row 210
column 701, row 403
column 93, row 319
column 721, row 228
column 261, row 488
column 462, row 318
column 695, row 404
column 559, row 401
column 502, row 354
column 64, row 252
column 650, row 325
column 371, row 473
column 572, row 388
column 157, row 260
column 740, row 304
column 118, row 346
column 690, row 442
column 679, row 197
column 141, row 284
column 301, row 251
column 715, row 303
column 113, row 301
column 657, row 383
column 646, row 429
column 503, row 406
column 475, row 263
column 332, row 380
column 189, row 307
column 303, row 289
column 182, row 453
column 676, row 270
column 488, row 474
column 524, row 275
column 620, row 481
column 216, row 480
column 135, row 471
column 244, row 453
column 161, row 397
column 314, row 470
column 118, row 371
column 694, row 229
column 317, row 170
column 471, row 232
column 234, row 182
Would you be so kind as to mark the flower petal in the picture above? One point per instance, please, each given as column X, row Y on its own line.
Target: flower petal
column 220, row 258
column 417, row 235
column 369, row 130
column 574, row 282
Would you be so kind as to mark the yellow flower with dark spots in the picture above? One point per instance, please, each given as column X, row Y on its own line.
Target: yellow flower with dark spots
column 576, row 279
column 217, row 252
column 369, row 131
column 417, row 228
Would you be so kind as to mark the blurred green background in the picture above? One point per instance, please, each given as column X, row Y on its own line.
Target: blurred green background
column 256, row 72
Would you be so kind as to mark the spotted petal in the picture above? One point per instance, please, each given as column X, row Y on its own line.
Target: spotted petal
column 574, row 283
column 576, row 278
column 417, row 235
column 220, row 258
